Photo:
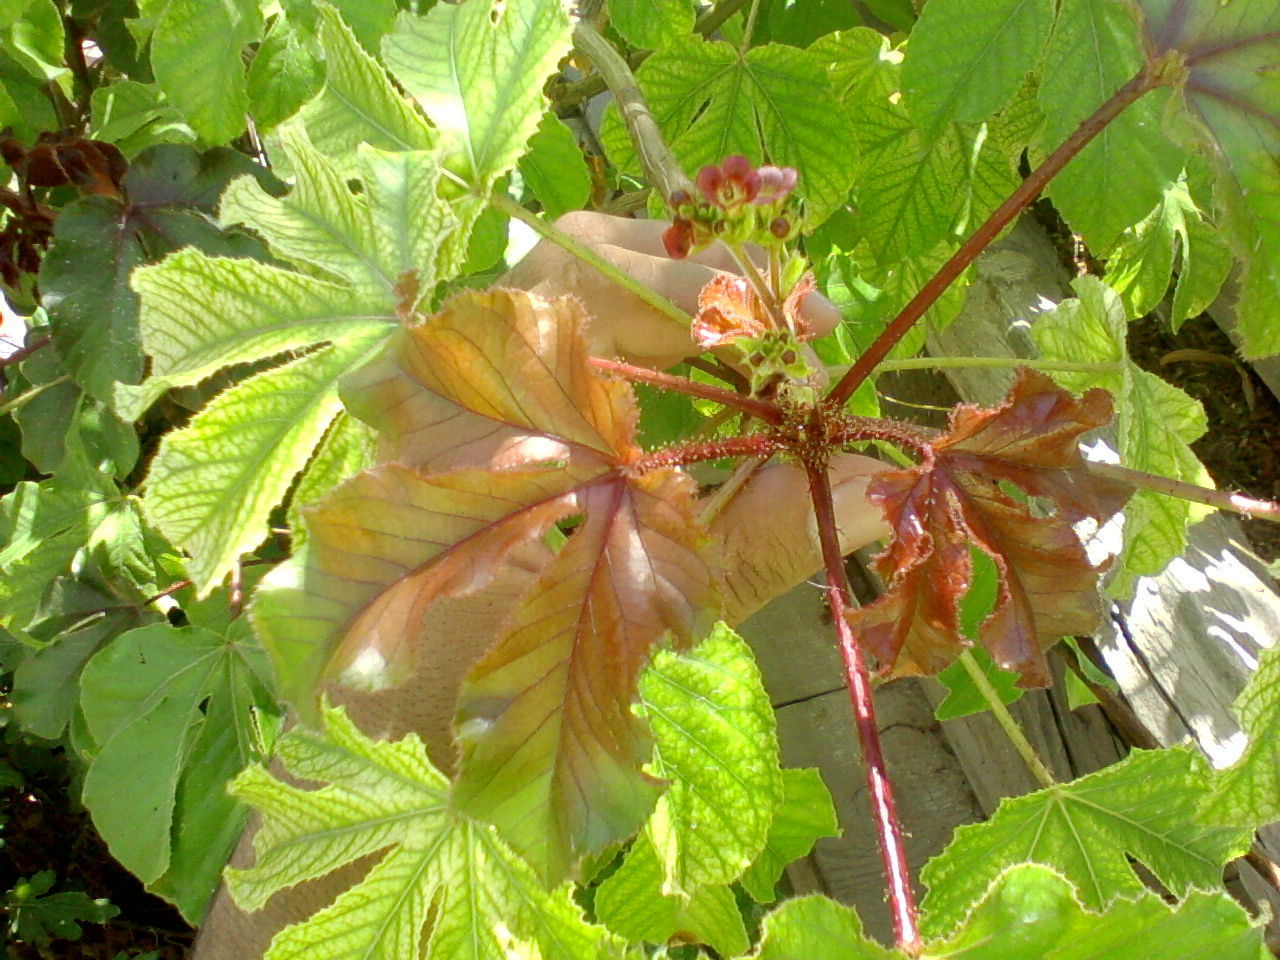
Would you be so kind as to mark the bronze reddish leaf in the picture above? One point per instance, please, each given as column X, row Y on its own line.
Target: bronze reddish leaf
column 1047, row 586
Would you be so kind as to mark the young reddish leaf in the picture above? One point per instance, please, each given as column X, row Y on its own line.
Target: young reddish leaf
column 500, row 429
column 728, row 309
column 1047, row 587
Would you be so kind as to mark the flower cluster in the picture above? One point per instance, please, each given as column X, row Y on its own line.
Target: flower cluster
column 740, row 203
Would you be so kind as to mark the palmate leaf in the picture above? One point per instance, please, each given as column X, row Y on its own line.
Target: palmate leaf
column 816, row 928
column 477, row 71
column 967, row 60
column 358, row 102
column 435, row 869
column 631, row 904
column 773, row 102
column 1140, row 267
column 1047, row 586
column 717, row 743
column 1032, row 913
column 98, row 240
column 1144, row 807
column 1249, row 790
column 1120, row 176
column 551, row 751
column 1155, row 422
column 1229, row 52
column 175, row 714
column 213, row 483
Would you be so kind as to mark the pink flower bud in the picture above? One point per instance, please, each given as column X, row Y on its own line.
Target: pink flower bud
column 775, row 183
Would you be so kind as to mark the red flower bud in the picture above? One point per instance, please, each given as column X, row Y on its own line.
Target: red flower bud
column 678, row 238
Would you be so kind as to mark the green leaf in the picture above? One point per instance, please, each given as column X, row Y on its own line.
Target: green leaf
column 1119, row 177
column 176, row 713
column 213, row 483
column 433, row 867
column 774, row 102
column 717, row 743
column 805, row 815
column 800, row 24
column 554, row 168
column 1144, row 807
column 1032, row 913
column 816, row 928
column 1155, row 422
column 631, row 904
column 1249, row 790
column 963, row 697
column 1140, row 267
column 35, row 39
column 477, row 69
column 347, row 448
column 37, row 916
column 98, row 241
column 62, row 420
column 85, row 282
column 283, row 76
column 966, row 60
column 134, row 116
column 371, row 239
column 369, row 19
column 197, row 54
column 651, row 24
column 50, row 529
column 359, row 103
column 1227, row 53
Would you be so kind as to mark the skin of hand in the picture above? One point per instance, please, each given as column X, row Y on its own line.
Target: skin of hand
column 766, row 535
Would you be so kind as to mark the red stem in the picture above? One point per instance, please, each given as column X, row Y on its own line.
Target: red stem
column 893, row 855
column 21, row 354
column 768, row 412
column 1144, row 81
column 677, row 455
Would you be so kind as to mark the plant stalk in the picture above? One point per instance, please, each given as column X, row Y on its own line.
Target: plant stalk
column 755, row 446
column 1008, row 724
column 1222, row 499
column 1143, row 82
column 22, row 399
column 504, row 203
column 660, row 165
column 998, row 363
column 760, row 409
column 902, row 901
column 23, row 352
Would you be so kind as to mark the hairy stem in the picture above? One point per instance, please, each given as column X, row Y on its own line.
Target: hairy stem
column 504, row 203
column 1145, row 81
column 759, row 285
column 1007, row 723
column 761, row 409
column 889, row 832
column 1222, row 499
column 660, row 165
column 756, row 446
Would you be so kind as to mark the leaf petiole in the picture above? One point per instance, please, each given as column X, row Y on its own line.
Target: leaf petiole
column 1008, row 724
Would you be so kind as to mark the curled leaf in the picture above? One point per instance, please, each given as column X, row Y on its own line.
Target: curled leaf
column 1047, row 588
